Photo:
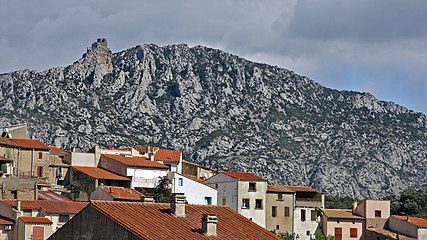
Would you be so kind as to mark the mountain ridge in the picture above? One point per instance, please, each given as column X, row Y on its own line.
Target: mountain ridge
column 226, row 112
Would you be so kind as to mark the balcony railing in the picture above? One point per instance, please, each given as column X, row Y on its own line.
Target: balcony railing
column 311, row 202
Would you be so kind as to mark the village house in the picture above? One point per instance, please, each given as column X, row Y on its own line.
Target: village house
column 243, row 192
column 15, row 131
column 84, row 180
column 280, row 208
column 197, row 171
column 306, row 219
column 111, row 193
column 195, row 191
column 410, row 226
column 177, row 220
column 58, row 168
column 343, row 224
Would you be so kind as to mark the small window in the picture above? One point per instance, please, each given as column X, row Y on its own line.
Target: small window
column 245, row 203
column 377, row 213
column 274, row 211
column 354, row 222
column 308, row 233
column 252, row 187
column 313, row 215
column 180, row 182
column 208, row 200
column 39, row 171
column 277, row 227
column 353, row 232
column 280, row 196
column 286, row 212
column 14, row 194
column 338, row 221
column 40, row 155
column 216, row 185
column 258, row 204
column 224, row 201
column 63, row 218
column 302, row 215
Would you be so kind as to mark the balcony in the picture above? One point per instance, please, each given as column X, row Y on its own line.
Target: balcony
column 144, row 182
column 308, row 202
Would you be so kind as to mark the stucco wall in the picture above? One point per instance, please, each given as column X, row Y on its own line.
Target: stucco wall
column 345, row 224
column 422, row 234
column 113, row 166
column 81, row 159
column 403, row 227
column 285, row 223
column 301, row 227
column 145, row 177
column 257, row 215
column 226, row 188
column 195, row 192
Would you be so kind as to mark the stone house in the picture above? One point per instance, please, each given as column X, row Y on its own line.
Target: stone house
column 280, row 208
column 243, row 192
column 177, row 220
column 58, row 168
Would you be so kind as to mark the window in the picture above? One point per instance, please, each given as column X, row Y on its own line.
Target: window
column 377, row 213
column 40, row 155
column 224, row 201
column 277, row 227
column 280, row 196
column 338, row 221
column 286, row 212
column 302, row 215
column 252, row 187
column 216, row 185
column 308, row 233
column 14, row 194
column 208, row 200
column 63, row 219
column 245, row 203
column 180, row 182
column 258, row 204
column 39, row 171
column 313, row 215
column 353, row 232
column 274, row 211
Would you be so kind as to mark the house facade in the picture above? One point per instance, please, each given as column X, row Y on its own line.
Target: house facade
column 196, row 192
column 280, row 208
column 343, row 224
column 243, row 192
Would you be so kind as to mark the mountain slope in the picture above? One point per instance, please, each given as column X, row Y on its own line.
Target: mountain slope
column 226, row 112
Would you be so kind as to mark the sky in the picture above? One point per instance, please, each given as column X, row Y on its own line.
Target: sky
column 377, row 46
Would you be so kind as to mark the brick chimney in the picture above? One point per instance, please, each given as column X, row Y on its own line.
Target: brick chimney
column 178, row 204
column 209, row 222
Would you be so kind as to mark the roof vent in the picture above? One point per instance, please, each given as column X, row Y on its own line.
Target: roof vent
column 209, row 222
column 178, row 204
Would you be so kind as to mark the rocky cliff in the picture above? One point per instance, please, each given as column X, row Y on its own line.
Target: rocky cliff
column 226, row 112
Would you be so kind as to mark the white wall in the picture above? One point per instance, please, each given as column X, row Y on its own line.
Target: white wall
column 147, row 178
column 300, row 227
column 422, row 234
column 226, row 187
column 194, row 191
column 81, row 159
column 257, row 215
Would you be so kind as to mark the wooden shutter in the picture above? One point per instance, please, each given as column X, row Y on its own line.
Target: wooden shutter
column 38, row 233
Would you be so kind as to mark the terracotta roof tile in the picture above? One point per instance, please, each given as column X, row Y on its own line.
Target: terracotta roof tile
column 279, row 188
column 4, row 220
column 197, row 165
column 342, row 214
column 123, row 193
column 167, row 155
column 303, row 189
column 154, row 221
column 25, row 204
column 390, row 234
column 244, row 176
column 135, row 161
column 419, row 222
column 99, row 173
column 62, row 206
column 54, row 149
column 29, row 143
column 38, row 220
column 6, row 141
column 50, row 195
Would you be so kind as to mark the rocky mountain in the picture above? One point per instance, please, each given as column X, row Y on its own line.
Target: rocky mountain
column 226, row 112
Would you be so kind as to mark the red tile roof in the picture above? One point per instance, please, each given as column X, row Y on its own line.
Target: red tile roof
column 279, row 188
column 99, row 173
column 154, row 221
column 133, row 161
column 390, row 234
column 62, row 206
column 167, row 155
column 4, row 220
column 419, row 222
column 29, row 143
column 25, row 204
column 6, row 141
column 303, row 189
column 54, row 149
column 341, row 214
column 3, row 159
column 49, row 195
column 244, row 176
column 38, row 220
column 123, row 193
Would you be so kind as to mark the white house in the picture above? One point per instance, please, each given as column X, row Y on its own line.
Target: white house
column 243, row 192
column 144, row 173
column 195, row 192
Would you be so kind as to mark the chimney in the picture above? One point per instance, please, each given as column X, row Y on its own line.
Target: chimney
column 354, row 207
column 18, row 205
column 149, row 199
column 209, row 222
column 178, row 204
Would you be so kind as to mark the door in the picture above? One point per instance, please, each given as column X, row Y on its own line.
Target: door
column 338, row 233
column 38, row 233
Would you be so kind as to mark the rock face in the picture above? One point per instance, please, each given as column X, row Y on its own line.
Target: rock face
column 226, row 112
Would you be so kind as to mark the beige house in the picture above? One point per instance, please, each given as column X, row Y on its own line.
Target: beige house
column 58, row 168
column 196, row 171
column 243, row 192
column 410, row 226
column 280, row 208
column 343, row 224
column 33, row 228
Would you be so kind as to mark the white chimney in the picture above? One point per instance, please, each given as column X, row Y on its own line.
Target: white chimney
column 18, row 205
column 178, row 204
column 209, row 222
column 354, row 207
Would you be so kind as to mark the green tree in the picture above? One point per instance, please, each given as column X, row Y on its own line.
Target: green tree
column 286, row 235
column 163, row 191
